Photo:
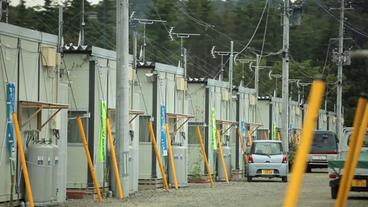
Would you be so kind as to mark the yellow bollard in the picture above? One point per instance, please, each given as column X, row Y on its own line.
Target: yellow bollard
column 242, row 144
column 294, row 187
column 113, row 157
column 158, row 155
column 172, row 161
column 222, row 155
column 23, row 160
column 90, row 164
column 205, row 156
column 343, row 192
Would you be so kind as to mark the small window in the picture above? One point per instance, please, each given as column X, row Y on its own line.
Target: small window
column 192, row 134
column 74, row 135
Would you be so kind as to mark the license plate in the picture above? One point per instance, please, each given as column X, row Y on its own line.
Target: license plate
column 267, row 172
column 319, row 157
column 359, row 183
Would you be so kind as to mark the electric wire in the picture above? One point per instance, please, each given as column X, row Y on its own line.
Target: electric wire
column 347, row 24
column 255, row 30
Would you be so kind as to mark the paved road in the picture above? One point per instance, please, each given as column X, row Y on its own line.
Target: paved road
column 262, row 193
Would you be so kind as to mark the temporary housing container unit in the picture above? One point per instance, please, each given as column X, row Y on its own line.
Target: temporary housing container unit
column 331, row 117
column 29, row 59
column 163, row 89
column 322, row 120
column 245, row 116
column 209, row 102
column 296, row 120
column 92, row 76
column 264, row 117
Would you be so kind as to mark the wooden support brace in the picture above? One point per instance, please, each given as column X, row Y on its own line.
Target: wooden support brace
column 158, row 155
column 171, row 154
column 114, row 161
column 23, row 160
column 90, row 164
column 205, row 156
column 242, row 144
column 223, row 162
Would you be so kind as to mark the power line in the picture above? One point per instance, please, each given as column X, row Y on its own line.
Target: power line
column 255, row 30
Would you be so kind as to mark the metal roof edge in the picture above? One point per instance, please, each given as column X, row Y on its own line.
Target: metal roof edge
column 28, row 34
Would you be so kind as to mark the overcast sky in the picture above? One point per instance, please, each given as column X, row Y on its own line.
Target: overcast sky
column 40, row 2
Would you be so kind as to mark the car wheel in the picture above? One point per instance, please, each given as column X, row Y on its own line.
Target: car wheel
column 334, row 191
column 284, row 179
column 249, row 178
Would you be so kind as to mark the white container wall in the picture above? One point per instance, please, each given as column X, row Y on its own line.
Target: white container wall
column 92, row 74
column 162, row 87
column 207, row 97
column 30, row 61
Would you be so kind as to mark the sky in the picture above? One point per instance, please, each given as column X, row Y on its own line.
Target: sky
column 40, row 2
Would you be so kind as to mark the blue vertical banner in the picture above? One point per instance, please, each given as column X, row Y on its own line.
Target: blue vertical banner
column 243, row 128
column 10, row 105
column 163, row 130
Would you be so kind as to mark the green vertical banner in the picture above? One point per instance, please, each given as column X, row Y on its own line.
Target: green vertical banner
column 103, row 109
column 213, row 129
column 274, row 131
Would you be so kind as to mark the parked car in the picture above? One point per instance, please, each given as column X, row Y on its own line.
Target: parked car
column 267, row 159
column 360, row 181
column 324, row 148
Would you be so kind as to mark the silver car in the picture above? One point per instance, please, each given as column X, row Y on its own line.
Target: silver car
column 267, row 159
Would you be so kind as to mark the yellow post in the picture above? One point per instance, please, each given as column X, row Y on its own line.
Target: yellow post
column 343, row 192
column 294, row 187
column 205, row 156
column 242, row 144
column 158, row 155
column 249, row 138
column 171, row 154
column 222, row 155
column 356, row 154
column 23, row 160
column 90, row 164
column 114, row 162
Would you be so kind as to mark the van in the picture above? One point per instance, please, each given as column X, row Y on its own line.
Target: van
column 324, row 148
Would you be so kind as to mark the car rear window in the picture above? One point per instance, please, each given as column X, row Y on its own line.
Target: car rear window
column 268, row 148
column 324, row 143
column 365, row 143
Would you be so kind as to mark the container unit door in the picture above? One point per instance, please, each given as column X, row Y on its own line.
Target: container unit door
column 78, row 95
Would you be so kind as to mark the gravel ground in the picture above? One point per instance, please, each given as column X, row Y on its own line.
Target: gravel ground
column 262, row 193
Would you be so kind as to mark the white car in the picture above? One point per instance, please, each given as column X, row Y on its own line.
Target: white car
column 267, row 159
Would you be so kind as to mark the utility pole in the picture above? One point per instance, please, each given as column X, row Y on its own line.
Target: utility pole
column 231, row 65
column 122, row 91
column 144, row 22
column 256, row 75
column 285, row 75
column 339, row 72
column 83, row 24
column 60, row 31
column 231, row 54
column 182, row 36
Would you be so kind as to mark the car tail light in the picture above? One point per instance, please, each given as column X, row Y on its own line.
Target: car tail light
column 284, row 159
column 332, row 175
column 250, row 159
